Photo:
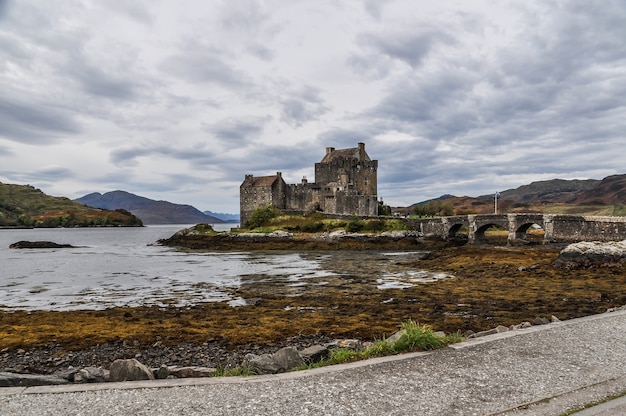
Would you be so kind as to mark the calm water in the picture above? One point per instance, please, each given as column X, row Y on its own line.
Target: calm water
column 123, row 267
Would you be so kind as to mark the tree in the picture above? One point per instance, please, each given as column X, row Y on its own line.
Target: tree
column 383, row 210
column 434, row 208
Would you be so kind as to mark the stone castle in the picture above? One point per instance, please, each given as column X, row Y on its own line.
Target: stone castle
column 345, row 183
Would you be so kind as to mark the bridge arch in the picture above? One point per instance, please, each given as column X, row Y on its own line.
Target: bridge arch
column 520, row 224
column 481, row 223
column 452, row 226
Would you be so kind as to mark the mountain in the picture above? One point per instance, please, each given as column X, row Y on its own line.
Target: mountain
column 150, row 211
column 610, row 191
column 26, row 206
column 591, row 197
column 224, row 217
column 555, row 190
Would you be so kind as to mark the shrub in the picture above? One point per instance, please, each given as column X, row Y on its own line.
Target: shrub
column 261, row 216
column 313, row 227
column 354, row 225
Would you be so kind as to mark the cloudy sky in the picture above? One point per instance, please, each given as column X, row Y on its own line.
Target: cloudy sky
column 178, row 100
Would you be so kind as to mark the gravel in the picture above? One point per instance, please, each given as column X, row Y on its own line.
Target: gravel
column 575, row 361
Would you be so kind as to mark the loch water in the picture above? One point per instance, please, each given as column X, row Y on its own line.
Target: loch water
column 125, row 267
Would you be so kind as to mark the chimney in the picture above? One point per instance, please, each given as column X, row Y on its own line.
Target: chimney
column 304, row 181
column 330, row 150
column 361, row 150
column 279, row 174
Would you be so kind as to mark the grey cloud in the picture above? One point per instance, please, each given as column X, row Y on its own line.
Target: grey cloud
column 373, row 7
column 411, row 46
column 98, row 82
column 238, row 130
column 261, row 52
column 567, row 41
column 45, row 175
column 303, row 106
column 201, row 64
column 54, row 173
column 34, row 122
column 3, row 7
column 134, row 10
column 242, row 16
column 6, row 151
column 423, row 100
column 287, row 159
column 343, row 138
column 196, row 155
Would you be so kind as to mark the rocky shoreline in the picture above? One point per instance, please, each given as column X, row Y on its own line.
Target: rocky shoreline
column 131, row 362
column 492, row 289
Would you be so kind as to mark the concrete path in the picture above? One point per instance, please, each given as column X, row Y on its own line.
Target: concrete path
column 546, row 370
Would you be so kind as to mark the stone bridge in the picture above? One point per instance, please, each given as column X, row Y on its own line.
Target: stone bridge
column 557, row 228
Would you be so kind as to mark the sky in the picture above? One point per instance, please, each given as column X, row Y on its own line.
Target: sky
column 179, row 100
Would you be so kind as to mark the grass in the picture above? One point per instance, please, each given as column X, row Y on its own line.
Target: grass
column 316, row 223
column 412, row 337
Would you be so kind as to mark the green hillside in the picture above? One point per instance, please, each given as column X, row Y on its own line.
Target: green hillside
column 26, row 206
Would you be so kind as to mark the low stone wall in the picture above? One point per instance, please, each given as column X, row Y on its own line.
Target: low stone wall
column 573, row 228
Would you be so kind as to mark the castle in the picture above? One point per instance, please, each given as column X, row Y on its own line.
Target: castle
column 345, row 183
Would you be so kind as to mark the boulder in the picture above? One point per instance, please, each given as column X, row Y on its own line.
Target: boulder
column 282, row 360
column 39, row 244
column 91, row 375
column 592, row 254
column 129, row 370
column 17, row 380
column 193, row 371
column 314, row 353
column 540, row 320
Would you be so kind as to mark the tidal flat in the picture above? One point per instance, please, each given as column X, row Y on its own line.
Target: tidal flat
column 467, row 288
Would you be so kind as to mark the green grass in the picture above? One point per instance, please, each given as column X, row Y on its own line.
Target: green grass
column 316, row 223
column 414, row 337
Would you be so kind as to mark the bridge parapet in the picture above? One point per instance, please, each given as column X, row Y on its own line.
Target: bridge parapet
column 557, row 228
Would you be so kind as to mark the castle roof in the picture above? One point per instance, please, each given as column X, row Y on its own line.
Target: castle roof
column 260, row 181
column 351, row 153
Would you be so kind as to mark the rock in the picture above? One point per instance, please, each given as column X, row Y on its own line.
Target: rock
column 554, row 319
column 18, row 380
column 280, row 234
column 282, row 360
column 396, row 337
column 523, row 325
column 129, row 370
column 189, row 372
column 493, row 331
column 91, row 375
column 592, row 254
column 314, row 353
column 352, row 344
column 163, row 372
column 540, row 321
column 39, row 244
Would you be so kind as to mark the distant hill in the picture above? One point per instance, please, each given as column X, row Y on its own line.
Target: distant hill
column 26, row 206
column 555, row 190
column 591, row 197
column 149, row 210
column 224, row 217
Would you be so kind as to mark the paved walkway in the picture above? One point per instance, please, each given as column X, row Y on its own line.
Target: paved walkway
column 544, row 370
